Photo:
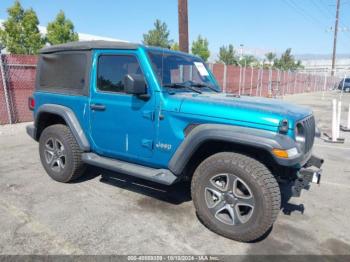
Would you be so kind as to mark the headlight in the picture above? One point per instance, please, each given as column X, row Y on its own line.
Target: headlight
column 283, row 126
column 300, row 134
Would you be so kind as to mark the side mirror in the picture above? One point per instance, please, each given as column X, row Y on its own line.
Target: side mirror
column 136, row 85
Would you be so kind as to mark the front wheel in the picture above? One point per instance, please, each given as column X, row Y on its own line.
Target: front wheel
column 60, row 154
column 235, row 196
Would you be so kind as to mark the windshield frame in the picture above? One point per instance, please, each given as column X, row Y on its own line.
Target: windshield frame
column 161, row 51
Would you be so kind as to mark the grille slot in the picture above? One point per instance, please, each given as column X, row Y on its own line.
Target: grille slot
column 309, row 128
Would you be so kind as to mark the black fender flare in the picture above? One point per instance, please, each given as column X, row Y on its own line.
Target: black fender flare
column 257, row 138
column 69, row 117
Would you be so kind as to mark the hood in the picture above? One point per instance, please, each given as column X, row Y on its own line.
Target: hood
column 264, row 111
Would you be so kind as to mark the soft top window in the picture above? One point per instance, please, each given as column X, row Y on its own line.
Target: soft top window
column 63, row 72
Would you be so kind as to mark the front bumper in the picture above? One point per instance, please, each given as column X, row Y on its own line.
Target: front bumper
column 310, row 173
column 297, row 161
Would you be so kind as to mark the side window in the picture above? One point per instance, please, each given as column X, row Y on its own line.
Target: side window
column 112, row 69
column 63, row 72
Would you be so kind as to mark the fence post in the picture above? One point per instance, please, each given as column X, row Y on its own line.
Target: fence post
column 261, row 80
column 225, row 78
column 314, row 82
column 251, row 80
column 325, row 85
column 334, row 120
column 338, row 118
column 6, row 93
column 258, row 83
column 288, row 76
column 240, row 80
column 284, row 83
column 295, row 81
column 269, row 90
column 278, row 81
column 243, row 81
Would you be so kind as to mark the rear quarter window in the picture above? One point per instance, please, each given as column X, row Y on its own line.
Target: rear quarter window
column 63, row 73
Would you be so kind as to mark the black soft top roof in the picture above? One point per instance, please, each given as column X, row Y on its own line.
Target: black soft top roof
column 89, row 45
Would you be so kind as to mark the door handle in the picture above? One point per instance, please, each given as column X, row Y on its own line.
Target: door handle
column 98, row 107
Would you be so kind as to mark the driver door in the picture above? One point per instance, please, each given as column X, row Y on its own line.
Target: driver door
column 120, row 127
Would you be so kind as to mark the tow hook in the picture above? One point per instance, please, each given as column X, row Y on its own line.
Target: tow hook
column 308, row 175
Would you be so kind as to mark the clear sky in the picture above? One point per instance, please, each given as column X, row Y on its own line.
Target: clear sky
column 258, row 24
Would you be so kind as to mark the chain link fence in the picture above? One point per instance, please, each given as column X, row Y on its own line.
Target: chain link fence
column 274, row 83
column 17, row 81
column 17, row 84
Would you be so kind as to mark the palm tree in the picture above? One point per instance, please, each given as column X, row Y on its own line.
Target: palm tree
column 270, row 56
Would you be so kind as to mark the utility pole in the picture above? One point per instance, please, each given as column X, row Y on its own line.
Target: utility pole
column 335, row 38
column 183, row 25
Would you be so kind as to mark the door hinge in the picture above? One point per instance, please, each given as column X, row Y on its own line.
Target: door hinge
column 148, row 114
column 147, row 143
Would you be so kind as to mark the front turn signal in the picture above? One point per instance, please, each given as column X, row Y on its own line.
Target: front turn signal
column 281, row 153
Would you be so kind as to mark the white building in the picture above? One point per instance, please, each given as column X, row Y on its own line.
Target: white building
column 323, row 63
column 82, row 36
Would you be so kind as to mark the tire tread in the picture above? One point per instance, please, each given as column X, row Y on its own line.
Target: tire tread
column 263, row 177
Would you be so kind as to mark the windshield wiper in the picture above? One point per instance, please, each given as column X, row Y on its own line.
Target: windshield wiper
column 180, row 85
column 197, row 84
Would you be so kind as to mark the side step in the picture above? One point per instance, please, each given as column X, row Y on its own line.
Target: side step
column 162, row 176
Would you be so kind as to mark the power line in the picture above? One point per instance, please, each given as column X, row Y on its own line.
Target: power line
column 303, row 13
column 324, row 12
column 307, row 16
column 328, row 13
column 331, row 14
column 301, row 9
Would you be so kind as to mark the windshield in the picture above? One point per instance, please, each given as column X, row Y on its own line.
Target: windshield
column 176, row 68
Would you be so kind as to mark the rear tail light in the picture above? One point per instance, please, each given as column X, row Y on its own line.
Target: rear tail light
column 31, row 103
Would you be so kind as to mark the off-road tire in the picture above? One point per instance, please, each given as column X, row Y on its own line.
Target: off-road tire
column 73, row 166
column 263, row 186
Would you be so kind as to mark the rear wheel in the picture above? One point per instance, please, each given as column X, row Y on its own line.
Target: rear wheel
column 60, row 154
column 235, row 196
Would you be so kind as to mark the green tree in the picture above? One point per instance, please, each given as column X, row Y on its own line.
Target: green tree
column 159, row 36
column 200, row 47
column 20, row 33
column 227, row 55
column 175, row 46
column 287, row 61
column 270, row 56
column 248, row 60
column 61, row 30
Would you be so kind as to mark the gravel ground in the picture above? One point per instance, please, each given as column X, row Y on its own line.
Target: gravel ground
column 105, row 215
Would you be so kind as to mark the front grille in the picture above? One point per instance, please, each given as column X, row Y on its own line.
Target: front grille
column 309, row 128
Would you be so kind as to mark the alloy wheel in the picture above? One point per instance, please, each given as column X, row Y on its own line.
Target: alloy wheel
column 55, row 154
column 229, row 199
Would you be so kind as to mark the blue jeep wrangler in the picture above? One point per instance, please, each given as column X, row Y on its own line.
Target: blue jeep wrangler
column 159, row 115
